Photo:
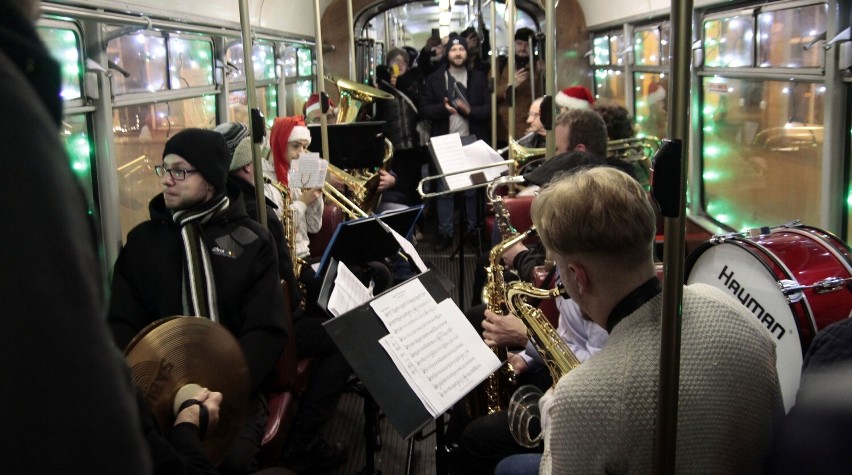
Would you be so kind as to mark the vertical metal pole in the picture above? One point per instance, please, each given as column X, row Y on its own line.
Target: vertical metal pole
column 510, row 76
column 251, row 102
column 532, row 77
column 494, row 74
column 321, row 72
column 350, row 25
column 665, row 443
column 550, row 67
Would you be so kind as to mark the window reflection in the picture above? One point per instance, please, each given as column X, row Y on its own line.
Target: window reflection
column 728, row 42
column 75, row 135
column 646, row 45
column 263, row 61
column 762, row 151
column 190, row 62
column 143, row 57
column 64, row 46
column 783, row 36
column 601, row 50
column 609, row 85
column 141, row 133
column 651, row 97
column 266, row 102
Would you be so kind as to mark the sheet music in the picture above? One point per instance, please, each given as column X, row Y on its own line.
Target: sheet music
column 436, row 349
column 450, row 156
column 480, row 154
column 308, row 171
column 348, row 292
column 409, row 249
column 453, row 157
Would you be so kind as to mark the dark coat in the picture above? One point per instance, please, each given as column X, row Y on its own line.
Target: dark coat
column 276, row 229
column 147, row 281
column 400, row 114
column 66, row 402
column 432, row 103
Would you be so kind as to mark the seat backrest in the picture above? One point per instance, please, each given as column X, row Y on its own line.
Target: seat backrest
column 331, row 217
column 518, row 208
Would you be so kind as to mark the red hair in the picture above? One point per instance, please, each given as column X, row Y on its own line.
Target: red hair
column 279, row 136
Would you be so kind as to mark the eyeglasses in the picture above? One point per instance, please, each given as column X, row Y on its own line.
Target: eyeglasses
column 178, row 174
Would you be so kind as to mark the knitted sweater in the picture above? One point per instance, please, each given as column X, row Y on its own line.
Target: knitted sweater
column 603, row 413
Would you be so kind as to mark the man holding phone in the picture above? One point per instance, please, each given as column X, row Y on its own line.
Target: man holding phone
column 523, row 89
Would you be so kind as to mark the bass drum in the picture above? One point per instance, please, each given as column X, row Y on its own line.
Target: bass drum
column 794, row 279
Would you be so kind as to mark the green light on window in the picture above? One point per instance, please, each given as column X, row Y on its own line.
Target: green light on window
column 711, row 151
column 640, row 119
column 849, row 199
column 709, row 110
column 723, row 218
column 711, row 175
column 708, row 128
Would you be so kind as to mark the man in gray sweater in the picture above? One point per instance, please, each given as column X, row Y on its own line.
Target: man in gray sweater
column 598, row 225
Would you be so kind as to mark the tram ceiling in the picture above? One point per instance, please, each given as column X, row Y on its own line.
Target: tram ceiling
column 423, row 15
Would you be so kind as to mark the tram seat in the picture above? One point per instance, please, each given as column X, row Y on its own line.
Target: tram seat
column 519, row 214
column 291, row 380
column 331, row 217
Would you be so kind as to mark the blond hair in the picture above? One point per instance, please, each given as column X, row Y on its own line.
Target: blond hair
column 600, row 213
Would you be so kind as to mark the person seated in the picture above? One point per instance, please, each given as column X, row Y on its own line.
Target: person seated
column 536, row 134
column 209, row 260
column 599, row 225
column 306, row 448
column 312, row 111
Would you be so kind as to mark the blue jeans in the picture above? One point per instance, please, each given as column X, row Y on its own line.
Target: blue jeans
column 520, row 464
column 445, row 205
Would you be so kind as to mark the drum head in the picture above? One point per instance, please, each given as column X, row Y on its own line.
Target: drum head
column 736, row 268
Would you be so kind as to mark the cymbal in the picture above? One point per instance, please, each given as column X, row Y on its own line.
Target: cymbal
column 176, row 351
column 361, row 91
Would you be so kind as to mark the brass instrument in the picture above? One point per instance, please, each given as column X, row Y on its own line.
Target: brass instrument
column 290, row 234
column 523, row 156
column 362, row 186
column 494, row 393
column 550, row 346
column 352, row 96
column 638, row 152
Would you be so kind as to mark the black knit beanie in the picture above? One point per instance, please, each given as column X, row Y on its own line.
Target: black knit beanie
column 206, row 150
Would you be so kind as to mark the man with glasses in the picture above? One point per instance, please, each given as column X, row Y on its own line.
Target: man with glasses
column 536, row 133
column 201, row 255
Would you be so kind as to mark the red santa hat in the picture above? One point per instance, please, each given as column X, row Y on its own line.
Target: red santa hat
column 313, row 104
column 656, row 93
column 285, row 130
column 575, row 97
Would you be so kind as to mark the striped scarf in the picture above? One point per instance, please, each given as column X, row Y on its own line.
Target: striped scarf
column 199, row 286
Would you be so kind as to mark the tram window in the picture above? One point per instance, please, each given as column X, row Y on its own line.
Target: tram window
column 646, row 46
column 263, row 60
column 729, row 42
column 75, row 134
column 266, row 101
column 782, row 36
column 141, row 133
column 190, row 62
column 650, row 103
column 762, row 150
column 143, row 57
column 601, row 50
column 305, row 63
column 64, row 46
column 609, row 85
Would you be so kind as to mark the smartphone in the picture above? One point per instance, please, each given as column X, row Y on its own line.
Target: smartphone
column 395, row 70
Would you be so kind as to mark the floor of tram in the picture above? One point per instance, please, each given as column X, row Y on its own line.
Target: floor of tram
column 347, row 425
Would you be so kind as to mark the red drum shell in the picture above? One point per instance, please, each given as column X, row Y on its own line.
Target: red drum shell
column 750, row 270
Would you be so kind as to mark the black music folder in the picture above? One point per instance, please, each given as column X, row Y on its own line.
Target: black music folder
column 366, row 239
column 357, row 334
column 356, row 145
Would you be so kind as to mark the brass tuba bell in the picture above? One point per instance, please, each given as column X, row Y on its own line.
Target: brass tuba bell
column 353, row 95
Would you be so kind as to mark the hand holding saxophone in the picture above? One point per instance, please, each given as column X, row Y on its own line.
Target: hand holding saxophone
column 503, row 330
column 519, row 365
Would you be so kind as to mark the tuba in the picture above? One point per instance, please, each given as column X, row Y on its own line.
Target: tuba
column 362, row 196
column 523, row 408
column 638, row 152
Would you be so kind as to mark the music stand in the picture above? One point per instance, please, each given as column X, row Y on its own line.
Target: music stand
column 351, row 146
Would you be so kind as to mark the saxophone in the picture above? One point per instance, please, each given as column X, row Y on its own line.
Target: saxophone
column 493, row 394
column 557, row 355
column 290, row 234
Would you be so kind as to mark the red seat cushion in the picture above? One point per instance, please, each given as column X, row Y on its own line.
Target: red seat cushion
column 331, row 217
column 519, row 214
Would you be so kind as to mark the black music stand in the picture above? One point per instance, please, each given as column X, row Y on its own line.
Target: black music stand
column 357, row 334
column 351, row 146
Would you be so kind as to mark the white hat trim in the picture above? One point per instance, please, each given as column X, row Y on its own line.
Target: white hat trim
column 564, row 100
column 312, row 107
column 300, row 132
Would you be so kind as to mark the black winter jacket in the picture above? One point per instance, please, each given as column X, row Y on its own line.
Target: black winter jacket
column 147, row 281
column 432, row 103
column 401, row 113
